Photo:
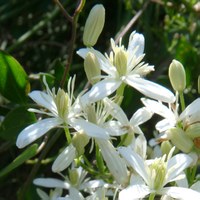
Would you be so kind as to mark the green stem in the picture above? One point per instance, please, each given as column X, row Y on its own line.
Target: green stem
column 68, row 135
column 100, row 163
column 152, row 196
column 182, row 101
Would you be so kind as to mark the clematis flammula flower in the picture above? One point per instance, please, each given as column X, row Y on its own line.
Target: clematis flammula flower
column 189, row 116
column 122, row 124
column 62, row 110
column 74, row 183
column 153, row 175
column 124, row 66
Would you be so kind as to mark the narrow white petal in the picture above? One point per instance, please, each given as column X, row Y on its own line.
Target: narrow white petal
column 117, row 112
column 140, row 116
column 89, row 128
column 181, row 193
column 43, row 99
column 115, row 128
column 136, row 40
column 158, row 108
column 83, row 52
column 64, row 159
column 51, row 183
column 165, row 124
column 135, row 161
column 134, row 192
column 103, row 89
column 177, row 164
column 34, row 131
column 43, row 195
column 114, row 162
column 191, row 109
column 150, row 89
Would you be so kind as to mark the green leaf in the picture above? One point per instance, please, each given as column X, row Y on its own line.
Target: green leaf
column 14, row 84
column 15, row 121
column 27, row 154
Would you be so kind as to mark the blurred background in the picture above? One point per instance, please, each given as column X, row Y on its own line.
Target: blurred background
column 37, row 35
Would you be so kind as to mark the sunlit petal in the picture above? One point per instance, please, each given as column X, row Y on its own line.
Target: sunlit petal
column 34, row 131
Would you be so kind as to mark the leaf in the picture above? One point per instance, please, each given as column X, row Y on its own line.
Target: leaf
column 14, row 84
column 15, row 121
column 27, row 154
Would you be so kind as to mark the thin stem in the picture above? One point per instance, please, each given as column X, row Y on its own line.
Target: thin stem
column 68, row 136
column 65, row 13
column 131, row 23
column 182, row 101
column 152, row 196
column 72, row 41
column 35, row 168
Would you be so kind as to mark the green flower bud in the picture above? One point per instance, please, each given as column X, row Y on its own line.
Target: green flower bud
column 179, row 138
column 92, row 68
column 73, row 176
column 121, row 61
column 193, row 131
column 79, row 141
column 166, row 146
column 177, row 76
column 94, row 25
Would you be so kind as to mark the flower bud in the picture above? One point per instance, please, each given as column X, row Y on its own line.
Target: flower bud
column 166, row 146
column 94, row 25
column 64, row 159
column 92, row 68
column 179, row 138
column 177, row 76
column 73, row 176
column 80, row 140
column 193, row 131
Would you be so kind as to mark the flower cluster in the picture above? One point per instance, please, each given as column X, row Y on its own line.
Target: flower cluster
column 119, row 163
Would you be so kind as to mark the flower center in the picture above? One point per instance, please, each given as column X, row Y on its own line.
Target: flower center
column 62, row 101
column 157, row 173
column 120, row 61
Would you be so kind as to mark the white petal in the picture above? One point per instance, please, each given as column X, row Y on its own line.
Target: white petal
column 135, row 161
column 181, row 193
column 176, row 165
column 51, row 183
column 89, row 128
column 83, row 52
column 158, row 108
column 45, row 100
column 136, row 40
column 115, row 128
column 140, row 116
column 34, row 131
column 64, row 159
column 150, row 89
column 114, row 162
column 164, row 125
column 102, row 89
column 117, row 112
column 191, row 109
column 134, row 192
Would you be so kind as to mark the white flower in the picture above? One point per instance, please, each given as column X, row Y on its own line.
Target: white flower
column 54, row 194
column 190, row 115
column 125, row 66
column 155, row 174
column 75, row 183
column 60, row 109
column 123, row 124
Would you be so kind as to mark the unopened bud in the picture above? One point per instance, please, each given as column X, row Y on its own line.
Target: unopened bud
column 92, row 68
column 179, row 138
column 193, row 131
column 73, row 176
column 177, row 76
column 80, row 140
column 94, row 25
column 166, row 146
